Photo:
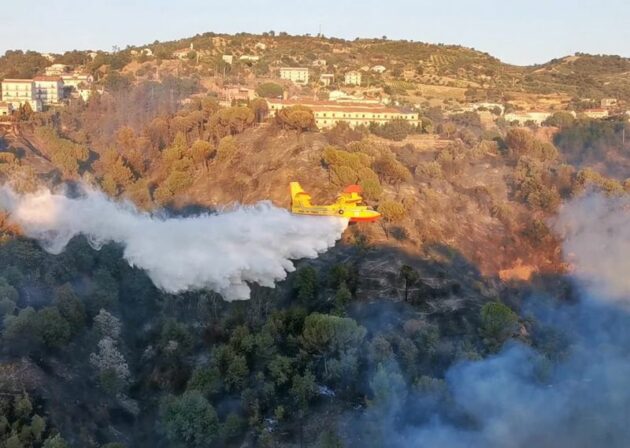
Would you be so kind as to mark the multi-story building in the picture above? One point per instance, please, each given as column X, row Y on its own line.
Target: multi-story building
column 77, row 80
column 353, row 78
column 20, row 91
column 329, row 113
column 48, row 89
column 298, row 75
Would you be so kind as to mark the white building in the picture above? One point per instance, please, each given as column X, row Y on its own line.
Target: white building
column 260, row 46
column 326, row 78
column 298, row 75
column 353, row 78
column 249, row 58
column 328, row 113
column 596, row 113
column 524, row 117
column 183, row 53
column 77, row 80
column 228, row 58
column 20, row 91
column 56, row 70
column 378, row 69
column 48, row 89
column 608, row 102
column 319, row 63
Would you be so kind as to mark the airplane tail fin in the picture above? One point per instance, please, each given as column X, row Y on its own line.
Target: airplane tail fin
column 298, row 196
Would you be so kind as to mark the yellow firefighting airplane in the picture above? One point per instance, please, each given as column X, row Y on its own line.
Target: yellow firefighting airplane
column 346, row 206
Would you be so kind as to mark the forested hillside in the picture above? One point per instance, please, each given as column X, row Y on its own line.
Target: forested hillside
column 355, row 347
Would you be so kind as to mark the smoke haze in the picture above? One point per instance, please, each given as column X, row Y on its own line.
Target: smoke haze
column 596, row 232
column 221, row 252
column 572, row 389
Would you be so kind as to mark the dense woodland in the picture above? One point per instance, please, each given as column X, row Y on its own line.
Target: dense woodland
column 92, row 354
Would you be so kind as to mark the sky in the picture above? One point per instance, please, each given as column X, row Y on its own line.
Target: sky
column 524, row 32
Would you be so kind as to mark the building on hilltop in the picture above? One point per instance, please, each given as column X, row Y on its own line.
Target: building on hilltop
column 608, row 102
column 378, row 69
column 21, row 91
column 298, row 75
column 228, row 58
column 341, row 96
column 249, row 58
column 326, row 78
column 329, row 113
column 183, row 53
column 56, row 70
column 524, row 117
column 596, row 113
column 353, row 78
column 77, row 80
column 48, row 89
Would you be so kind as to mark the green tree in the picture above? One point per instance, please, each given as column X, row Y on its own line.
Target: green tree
column 392, row 212
column 260, row 109
column 70, row 307
column 55, row 441
column 303, row 389
column 281, row 369
column 201, row 151
column 299, row 118
column 343, row 296
column 226, row 149
column 387, row 384
column 22, row 406
column 305, row 283
column 38, row 426
column 189, row 420
column 230, row 121
column 561, row 119
column 206, row 380
column 329, row 336
column 237, row 372
column 14, row 442
column 498, row 324
column 396, row 130
column 54, row 329
column 269, row 90
column 409, row 277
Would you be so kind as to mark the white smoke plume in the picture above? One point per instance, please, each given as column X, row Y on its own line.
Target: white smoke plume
column 596, row 231
column 221, row 252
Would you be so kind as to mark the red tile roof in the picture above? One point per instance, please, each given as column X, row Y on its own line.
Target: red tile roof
column 332, row 106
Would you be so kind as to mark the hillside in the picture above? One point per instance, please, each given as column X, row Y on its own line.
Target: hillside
column 362, row 346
